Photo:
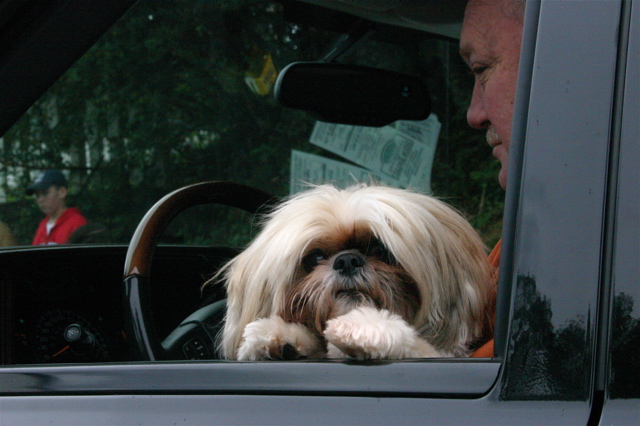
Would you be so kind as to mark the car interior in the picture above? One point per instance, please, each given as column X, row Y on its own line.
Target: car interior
column 138, row 100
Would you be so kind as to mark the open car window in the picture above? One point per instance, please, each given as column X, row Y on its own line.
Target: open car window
column 182, row 92
column 178, row 93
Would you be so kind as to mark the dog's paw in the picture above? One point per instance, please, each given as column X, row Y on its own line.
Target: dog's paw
column 368, row 333
column 273, row 338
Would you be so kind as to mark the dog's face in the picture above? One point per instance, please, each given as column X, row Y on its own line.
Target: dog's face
column 326, row 251
column 346, row 269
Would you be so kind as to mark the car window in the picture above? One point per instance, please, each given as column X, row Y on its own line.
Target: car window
column 182, row 92
column 178, row 93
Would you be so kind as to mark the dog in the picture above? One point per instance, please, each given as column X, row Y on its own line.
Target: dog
column 368, row 272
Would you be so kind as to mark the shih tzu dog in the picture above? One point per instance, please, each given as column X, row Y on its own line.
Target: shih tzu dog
column 368, row 272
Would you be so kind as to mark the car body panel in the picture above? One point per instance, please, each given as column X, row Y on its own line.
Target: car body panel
column 550, row 304
column 623, row 386
column 557, row 252
column 464, row 378
column 243, row 409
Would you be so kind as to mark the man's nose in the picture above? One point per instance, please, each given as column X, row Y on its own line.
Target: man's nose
column 476, row 114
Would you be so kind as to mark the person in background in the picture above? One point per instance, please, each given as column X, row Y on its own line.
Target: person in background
column 50, row 189
column 490, row 44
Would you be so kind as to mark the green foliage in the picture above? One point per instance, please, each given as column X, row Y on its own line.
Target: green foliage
column 626, row 341
column 546, row 362
column 464, row 171
column 161, row 102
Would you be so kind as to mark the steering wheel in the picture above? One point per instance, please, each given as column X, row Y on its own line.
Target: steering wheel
column 190, row 340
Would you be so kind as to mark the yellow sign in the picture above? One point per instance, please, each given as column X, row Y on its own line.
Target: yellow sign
column 261, row 84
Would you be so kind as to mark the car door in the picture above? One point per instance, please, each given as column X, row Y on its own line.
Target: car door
column 550, row 300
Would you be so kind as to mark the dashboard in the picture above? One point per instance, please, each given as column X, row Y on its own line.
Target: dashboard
column 64, row 304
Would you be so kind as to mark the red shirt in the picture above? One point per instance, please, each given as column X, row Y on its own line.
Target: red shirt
column 69, row 221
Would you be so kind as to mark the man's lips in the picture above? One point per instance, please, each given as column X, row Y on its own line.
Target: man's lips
column 493, row 139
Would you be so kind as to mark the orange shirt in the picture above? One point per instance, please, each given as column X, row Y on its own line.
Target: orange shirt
column 486, row 350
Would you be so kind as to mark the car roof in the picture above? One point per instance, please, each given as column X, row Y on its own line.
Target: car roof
column 40, row 40
column 439, row 17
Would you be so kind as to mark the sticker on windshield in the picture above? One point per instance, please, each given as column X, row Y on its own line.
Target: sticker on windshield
column 400, row 154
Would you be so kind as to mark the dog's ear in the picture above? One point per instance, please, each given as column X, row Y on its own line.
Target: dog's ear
column 457, row 310
column 257, row 279
column 448, row 262
column 248, row 299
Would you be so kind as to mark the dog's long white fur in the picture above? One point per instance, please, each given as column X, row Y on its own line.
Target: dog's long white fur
column 432, row 242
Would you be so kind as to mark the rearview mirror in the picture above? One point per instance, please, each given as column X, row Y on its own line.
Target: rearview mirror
column 350, row 94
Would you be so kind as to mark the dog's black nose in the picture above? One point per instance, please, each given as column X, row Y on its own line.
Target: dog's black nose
column 348, row 263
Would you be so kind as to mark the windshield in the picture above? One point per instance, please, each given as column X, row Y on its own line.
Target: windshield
column 182, row 92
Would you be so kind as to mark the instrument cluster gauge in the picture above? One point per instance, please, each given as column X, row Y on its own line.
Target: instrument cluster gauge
column 64, row 336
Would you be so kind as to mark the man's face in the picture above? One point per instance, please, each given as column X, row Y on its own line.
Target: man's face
column 490, row 44
column 51, row 200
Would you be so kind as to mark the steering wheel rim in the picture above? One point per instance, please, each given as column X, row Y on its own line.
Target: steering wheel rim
column 144, row 340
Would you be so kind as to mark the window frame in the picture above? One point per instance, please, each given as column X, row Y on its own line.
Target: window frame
column 216, row 391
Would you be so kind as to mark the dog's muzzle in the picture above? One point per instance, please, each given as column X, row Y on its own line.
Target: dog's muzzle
column 348, row 264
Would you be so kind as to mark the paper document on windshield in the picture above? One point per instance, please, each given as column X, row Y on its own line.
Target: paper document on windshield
column 310, row 168
column 401, row 154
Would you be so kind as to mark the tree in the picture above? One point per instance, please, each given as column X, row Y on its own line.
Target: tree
column 161, row 102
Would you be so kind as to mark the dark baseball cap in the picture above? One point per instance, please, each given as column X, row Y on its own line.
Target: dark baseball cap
column 46, row 179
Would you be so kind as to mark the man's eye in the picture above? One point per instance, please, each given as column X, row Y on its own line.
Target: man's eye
column 310, row 261
column 479, row 70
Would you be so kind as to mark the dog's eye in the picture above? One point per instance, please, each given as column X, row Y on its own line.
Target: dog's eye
column 310, row 261
column 378, row 250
